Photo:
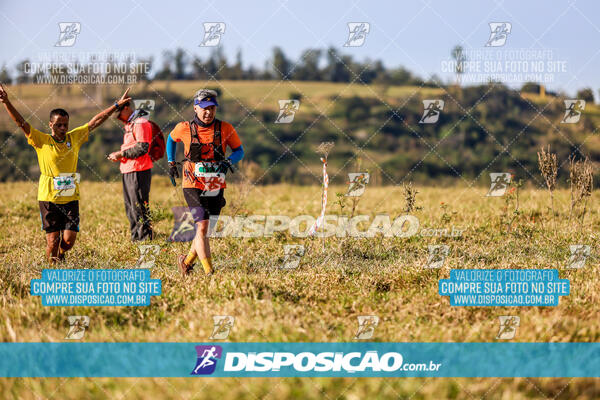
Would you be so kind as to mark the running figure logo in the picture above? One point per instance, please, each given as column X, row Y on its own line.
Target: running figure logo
column 77, row 327
column 500, row 182
column 498, row 34
column 212, row 33
column 432, row 111
column 207, row 359
column 358, row 34
column 287, row 111
column 184, row 228
column 68, row 33
column 508, row 327
column 437, row 255
column 148, row 254
column 573, row 110
column 579, row 253
column 145, row 106
column 222, row 327
column 292, row 255
column 366, row 326
column 357, row 183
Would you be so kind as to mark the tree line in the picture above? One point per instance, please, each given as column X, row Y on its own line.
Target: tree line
column 327, row 65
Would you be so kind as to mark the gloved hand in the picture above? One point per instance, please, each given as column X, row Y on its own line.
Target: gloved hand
column 225, row 166
column 173, row 172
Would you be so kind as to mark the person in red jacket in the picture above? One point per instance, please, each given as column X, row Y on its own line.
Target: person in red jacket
column 136, row 167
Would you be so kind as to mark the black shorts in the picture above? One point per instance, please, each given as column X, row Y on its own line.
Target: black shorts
column 202, row 207
column 59, row 217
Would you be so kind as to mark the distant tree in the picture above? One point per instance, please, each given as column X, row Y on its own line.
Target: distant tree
column 337, row 67
column 180, row 62
column 237, row 71
column 22, row 75
column 433, row 81
column 5, row 75
column 400, row 76
column 366, row 71
column 266, row 74
column 251, row 73
column 347, row 69
column 459, row 57
column 198, row 71
column 586, row 94
column 530, row 87
column 378, row 69
column 308, row 66
column 166, row 73
column 210, row 67
column 281, row 65
column 219, row 63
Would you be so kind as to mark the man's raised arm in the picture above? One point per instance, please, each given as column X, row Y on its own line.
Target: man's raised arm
column 14, row 114
column 98, row 119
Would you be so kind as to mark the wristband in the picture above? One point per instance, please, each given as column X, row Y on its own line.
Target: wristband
column 116, row 106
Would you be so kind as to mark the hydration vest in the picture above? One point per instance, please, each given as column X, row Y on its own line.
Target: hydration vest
column 198, row 151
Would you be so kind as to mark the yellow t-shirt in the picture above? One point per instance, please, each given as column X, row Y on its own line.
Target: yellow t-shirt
column 59, row 182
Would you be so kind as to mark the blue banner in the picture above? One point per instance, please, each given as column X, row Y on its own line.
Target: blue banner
column 96, row 287
column 504, row 287
column 300, row 359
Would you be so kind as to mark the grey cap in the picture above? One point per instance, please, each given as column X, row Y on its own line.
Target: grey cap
column 205, row 98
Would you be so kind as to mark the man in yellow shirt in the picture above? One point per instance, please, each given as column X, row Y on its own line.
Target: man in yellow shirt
column 58, row 190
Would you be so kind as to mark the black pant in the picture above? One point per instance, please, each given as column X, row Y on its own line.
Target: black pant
column 136, row 193
column 203, row 207
column 59, row 217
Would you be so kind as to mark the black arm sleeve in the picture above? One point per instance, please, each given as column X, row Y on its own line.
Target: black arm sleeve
column 136, row 151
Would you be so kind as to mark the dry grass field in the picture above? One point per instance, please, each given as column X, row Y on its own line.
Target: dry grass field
column 337, row 280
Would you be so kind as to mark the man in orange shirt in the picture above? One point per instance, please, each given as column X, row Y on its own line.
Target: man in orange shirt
column 205, row 141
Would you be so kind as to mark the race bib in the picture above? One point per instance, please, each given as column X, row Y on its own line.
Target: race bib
column 65, row 184
column 213, row 181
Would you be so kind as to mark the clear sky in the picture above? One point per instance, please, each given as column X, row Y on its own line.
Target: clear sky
column 417, row 34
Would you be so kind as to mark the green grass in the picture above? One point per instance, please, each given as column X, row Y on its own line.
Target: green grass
column 338, row 279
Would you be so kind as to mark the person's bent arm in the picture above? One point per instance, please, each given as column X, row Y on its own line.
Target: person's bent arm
column 136, row 151
column 99, row 118
column 236, row 155
column 12, row 111
column 142, row 133
column 171, row 149
column 235, row 144
column 171, row 155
